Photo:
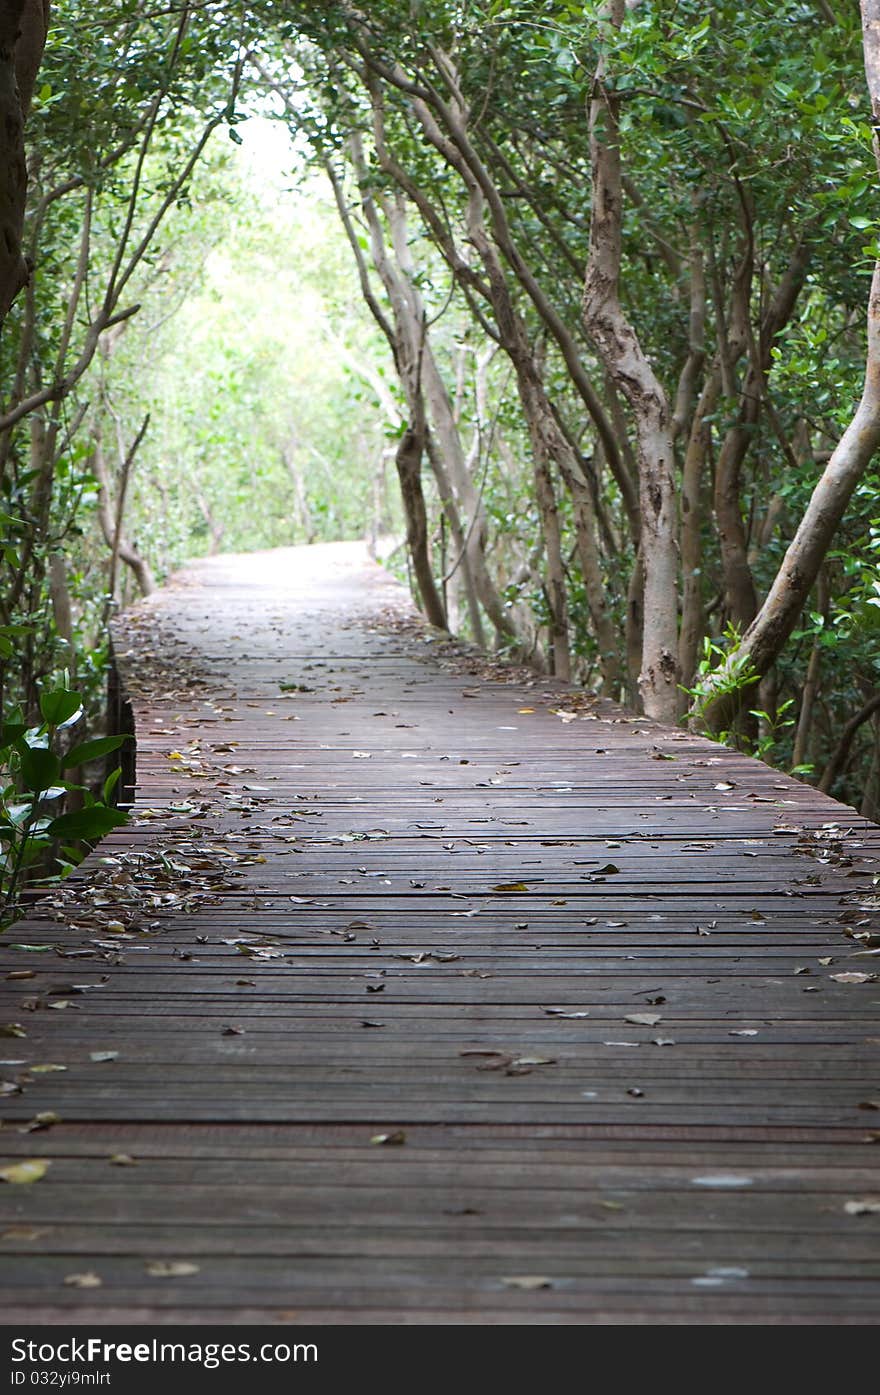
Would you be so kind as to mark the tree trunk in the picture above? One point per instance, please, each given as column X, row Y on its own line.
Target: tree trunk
column 461, row 565
column 590, row 561
column 23, row 25
column 635, row 625
column 842, row 749
column 811, row 680
column 300, row 498
column 740, row 595
column 692, row 609
column 624, row 359
column 408, row 460
column 107, row 517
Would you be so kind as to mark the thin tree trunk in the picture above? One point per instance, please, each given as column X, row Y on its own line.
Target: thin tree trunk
column 811, row 680
column 59, row 593
column 408, row 460
column 741, row 597
column 635, row 624
column 870, row 805
column 590, row 561
column 126, row 461
column 461, row 566
column 300, row 498
column 692, row 607
column 841, row 751
column 624, row 359
column 107, row 515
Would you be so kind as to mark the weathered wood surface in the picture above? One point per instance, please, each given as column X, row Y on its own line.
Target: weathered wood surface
column 304, row 928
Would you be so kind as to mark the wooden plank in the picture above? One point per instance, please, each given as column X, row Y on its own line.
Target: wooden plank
column 414, row 781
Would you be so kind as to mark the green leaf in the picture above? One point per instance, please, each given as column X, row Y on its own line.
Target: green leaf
column 110, row 783
column 91, row 750
column 86, row 823
column 39, row 768
column 11, row 732
column 60, row 707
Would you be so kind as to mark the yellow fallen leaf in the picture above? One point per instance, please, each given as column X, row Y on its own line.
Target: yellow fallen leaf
column 31, row 1170
column 87, row 1280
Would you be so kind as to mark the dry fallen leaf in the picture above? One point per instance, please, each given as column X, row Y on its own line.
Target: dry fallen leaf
column 389, row 1139
column 529, row 1282
column 23, row 1173
column 41, row 1121
column 170, row 1268
column 869, row 1206
column 853, row 977
column 101, row 1056
column 122, row 1160
column 643, row 1019
column 87, row 1280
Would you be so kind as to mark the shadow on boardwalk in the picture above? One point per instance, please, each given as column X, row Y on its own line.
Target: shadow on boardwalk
column 412, row 994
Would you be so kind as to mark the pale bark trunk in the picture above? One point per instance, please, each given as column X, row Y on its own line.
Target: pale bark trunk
column 107, row 516
column 461, row 566
column 624, row 359
column 449, row 462
column 59, row 593
column 300, row 497
column 547, row 441
column 692, row 608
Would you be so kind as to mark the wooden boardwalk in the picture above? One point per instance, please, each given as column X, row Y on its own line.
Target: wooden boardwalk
column 582, row 973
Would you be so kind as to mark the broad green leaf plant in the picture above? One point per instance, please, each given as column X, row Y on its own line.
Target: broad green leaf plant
column 36, row 768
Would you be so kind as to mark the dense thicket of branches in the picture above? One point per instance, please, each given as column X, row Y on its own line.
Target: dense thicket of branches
column 619, row 256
